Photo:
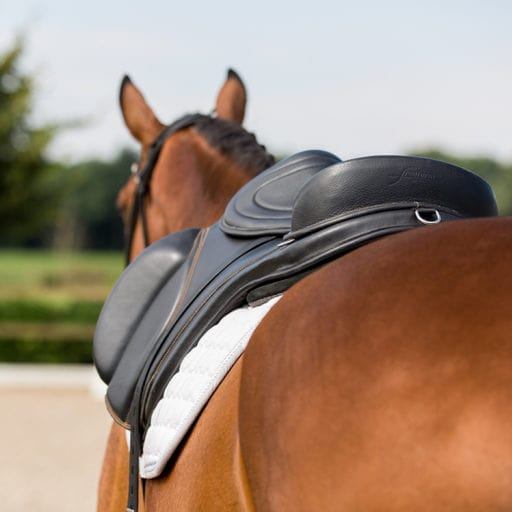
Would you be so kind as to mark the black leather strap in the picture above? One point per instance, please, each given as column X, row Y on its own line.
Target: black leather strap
column 133, row 477
column 136, row 434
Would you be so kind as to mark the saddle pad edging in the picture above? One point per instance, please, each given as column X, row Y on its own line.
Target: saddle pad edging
column 200, row 373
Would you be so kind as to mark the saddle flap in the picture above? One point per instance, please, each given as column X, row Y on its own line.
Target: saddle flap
column 364, row 185
column 212, row 252
column 134, row 291
column 264, row 205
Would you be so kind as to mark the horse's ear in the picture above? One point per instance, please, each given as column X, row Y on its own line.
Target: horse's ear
column 232, row 99
column 138, row 116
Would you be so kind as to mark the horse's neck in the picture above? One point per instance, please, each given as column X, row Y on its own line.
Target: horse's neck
column 202, row 181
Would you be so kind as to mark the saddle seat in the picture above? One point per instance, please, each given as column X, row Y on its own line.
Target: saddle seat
column 283, row 224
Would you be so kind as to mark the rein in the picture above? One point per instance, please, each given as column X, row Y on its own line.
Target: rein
column 142, row 176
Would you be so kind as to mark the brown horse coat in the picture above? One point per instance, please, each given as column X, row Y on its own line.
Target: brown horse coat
column 383, row 381
column 380, row 382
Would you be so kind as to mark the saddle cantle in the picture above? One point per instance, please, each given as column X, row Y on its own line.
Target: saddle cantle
column 282, row 225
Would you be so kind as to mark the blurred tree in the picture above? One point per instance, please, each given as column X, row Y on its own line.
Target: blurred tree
column 88, row 216
column 28, row 190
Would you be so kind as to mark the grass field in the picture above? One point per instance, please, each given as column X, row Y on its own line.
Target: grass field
column 49, row 303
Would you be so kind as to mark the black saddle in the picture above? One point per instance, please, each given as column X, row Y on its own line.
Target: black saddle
column 298, row 214
column 282, row 225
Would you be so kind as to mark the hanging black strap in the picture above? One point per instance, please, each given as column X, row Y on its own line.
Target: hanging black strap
column 133, row 477
column 143, row 178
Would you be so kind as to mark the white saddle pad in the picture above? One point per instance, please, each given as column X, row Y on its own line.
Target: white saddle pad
column 201, row 371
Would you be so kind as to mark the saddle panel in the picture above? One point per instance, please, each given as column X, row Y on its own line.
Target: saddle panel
column 264, row 205
column 127, row 303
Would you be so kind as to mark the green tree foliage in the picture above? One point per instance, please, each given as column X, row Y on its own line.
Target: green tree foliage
column 497, row 174
column 88, row 216
column 28, row 189
column 44, row 202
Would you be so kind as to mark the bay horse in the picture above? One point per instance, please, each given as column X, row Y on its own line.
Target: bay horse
column 381, row 382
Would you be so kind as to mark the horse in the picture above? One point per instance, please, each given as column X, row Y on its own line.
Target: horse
column 379, row 382
column 197, row 172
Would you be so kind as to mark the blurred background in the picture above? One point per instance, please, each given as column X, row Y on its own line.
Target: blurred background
column 355, row 78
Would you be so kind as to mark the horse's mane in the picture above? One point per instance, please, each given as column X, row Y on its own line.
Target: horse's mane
column 235, row 142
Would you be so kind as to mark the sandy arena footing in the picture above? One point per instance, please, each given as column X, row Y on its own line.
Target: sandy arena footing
column 52, row 437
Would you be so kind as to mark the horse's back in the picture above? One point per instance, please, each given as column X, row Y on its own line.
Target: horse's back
column 382, row 381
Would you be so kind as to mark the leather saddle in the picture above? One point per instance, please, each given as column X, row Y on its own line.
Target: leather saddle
column 286, row 222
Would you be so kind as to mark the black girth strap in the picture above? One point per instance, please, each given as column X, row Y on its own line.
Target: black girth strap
column 143, row 178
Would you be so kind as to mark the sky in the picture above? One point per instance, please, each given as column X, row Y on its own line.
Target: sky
column 355, row 78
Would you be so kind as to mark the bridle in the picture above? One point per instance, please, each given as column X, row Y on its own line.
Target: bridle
column 142, row 176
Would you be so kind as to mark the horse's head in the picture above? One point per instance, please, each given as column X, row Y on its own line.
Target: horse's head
column 188, row 170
